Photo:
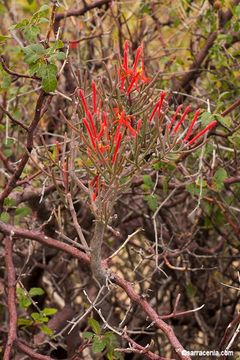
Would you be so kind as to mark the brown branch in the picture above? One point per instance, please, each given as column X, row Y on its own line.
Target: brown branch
column 194, row 69
column 29, row 145
column 11, row 297
column 6, row 163
column 125, row 285
column 15, row 121
column 13, row 73
column 81, row 11
column 32, row 354
column 231, row 108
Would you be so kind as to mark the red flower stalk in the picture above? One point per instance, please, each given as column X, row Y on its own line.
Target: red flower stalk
column 94, row 184
column 125, row 57
column 94, row 97
column 137, row 56
column 208, row 127
column 134, row 80
column 157, row 105
column 192, row 125
column 117, row 147
column 89, row 115
column 89, row 132
column 139, row 124
column 174, row 117
column 182, row 119
column 81, row 94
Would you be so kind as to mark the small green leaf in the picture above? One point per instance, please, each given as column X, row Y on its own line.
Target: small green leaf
column 61, row 55
column 31, row 32
column 46, row 330
column 49, row 77
column 206, row 118
column 98, row 345
column 24, row 301
column 35, row 291
column 39, row 317
column 218, row 179
column 88, row 335
column 4, row 38
column 33, row 53
column 21, row 25
column 191, row 290
column 94, row 325
column 4, row 217
column 152, row 202
column 49, row 311
column 147, row 180
column 24, row 322
column 9, row 202
column 23, row 211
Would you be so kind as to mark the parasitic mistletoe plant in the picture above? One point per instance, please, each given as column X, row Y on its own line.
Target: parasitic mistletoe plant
column 121, row 124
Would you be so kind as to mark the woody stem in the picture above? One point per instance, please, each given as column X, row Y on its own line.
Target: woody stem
column 96, row 246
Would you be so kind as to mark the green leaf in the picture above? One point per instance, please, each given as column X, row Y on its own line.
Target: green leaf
column 94, row 325
column 9, row 202
column 206, row 118
column 152, row 202
column 222, row 120
column 23, row 211
column 21, row 25
column 218, row 179
column 6, row 82
column 88, row 335
column 4, row 38
column 24, row 301
column 98, row 345
column 191, row 290
column 31, row 32
column 49, row 77
column 49, row 311
column 39, row 317
column 35, row 291
column 4, row 217
column 46, row 330
column 61, row 55
column 24, row 322
column 33, row 53
column 147, row 180
column 42, row 12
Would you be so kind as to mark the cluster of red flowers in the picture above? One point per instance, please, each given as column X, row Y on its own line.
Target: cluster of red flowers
column 105, row 131
column 107, row 127
column 131, row 77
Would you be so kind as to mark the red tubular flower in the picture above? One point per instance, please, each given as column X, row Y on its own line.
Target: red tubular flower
column 174, row 117
column 208, row 127
column 139, row 124
column 94, row 97
column 117, row 147
column 94, row 184
column 157, row 105
column 89, row 115
column 137, row 56
column 134, row 80
column 182, row 119
column 125, row 57
column 81, row 94
column 89, row 132
column 192, row 125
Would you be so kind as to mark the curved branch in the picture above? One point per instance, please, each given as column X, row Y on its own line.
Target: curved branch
column 11, row 297
column 125, row 285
